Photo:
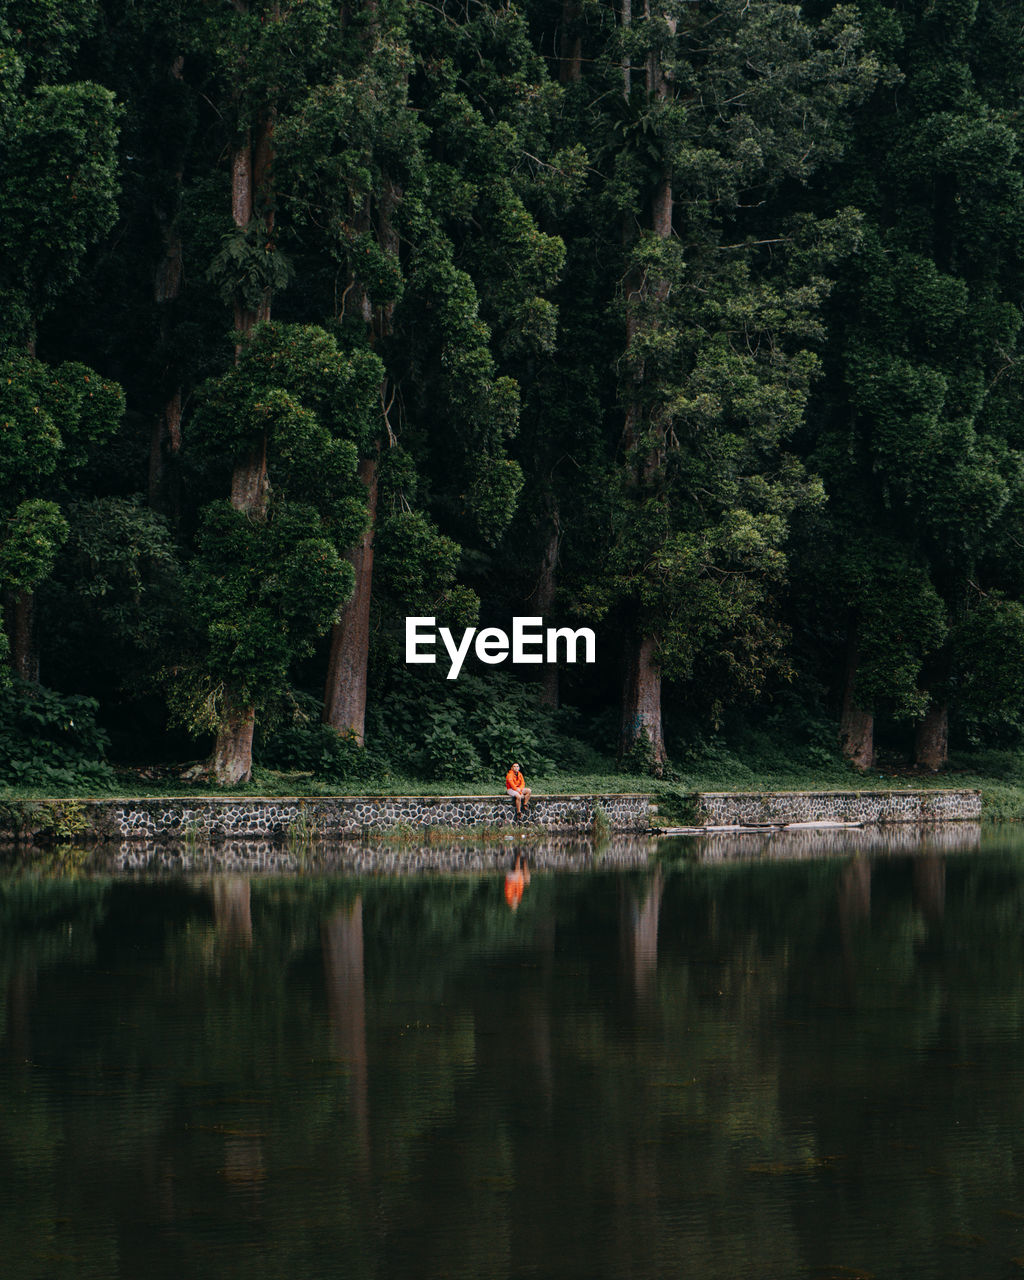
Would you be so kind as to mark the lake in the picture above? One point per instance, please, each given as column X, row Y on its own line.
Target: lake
column 797, row 1055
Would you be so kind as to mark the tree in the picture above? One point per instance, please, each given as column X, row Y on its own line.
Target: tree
column 913, row 437
column 267, row 580
column 112, row 608
column 352, row 145
column 706, row 111
column 51, row 419
column 57, row 190
column 403, row 174
column 264, row 54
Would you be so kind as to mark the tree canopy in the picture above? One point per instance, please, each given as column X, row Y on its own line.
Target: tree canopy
column 699, row 325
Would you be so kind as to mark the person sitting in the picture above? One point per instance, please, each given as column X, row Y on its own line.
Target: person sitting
column 515, row 786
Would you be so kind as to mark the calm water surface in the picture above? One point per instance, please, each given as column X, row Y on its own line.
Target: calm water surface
column 727, row 1064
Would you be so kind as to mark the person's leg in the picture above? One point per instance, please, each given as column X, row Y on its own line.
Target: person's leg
column 526, row 797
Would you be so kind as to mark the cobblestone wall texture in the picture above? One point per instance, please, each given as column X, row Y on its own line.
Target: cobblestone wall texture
column 201, row 820
column 204, row 819
column 721, row 809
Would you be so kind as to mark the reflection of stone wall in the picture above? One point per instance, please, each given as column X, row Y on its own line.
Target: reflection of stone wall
column 350, row 857
column 721, row 809
column 839, row 842
column 215, row 818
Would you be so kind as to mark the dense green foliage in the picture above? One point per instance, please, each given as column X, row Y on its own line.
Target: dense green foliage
column 699, row 327
column 51, row 744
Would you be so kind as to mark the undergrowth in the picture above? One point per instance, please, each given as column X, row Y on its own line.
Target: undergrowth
column 52, row 748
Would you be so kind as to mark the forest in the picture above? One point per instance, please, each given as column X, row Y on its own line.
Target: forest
column 697, row 324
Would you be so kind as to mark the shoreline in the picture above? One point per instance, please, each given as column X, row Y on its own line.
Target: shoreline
column 302, row 819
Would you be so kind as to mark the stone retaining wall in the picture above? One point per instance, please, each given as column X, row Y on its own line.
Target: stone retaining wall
column 215, row 818
column 724, row 809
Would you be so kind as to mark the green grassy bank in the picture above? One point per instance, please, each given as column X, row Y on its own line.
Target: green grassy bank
column 999, row 776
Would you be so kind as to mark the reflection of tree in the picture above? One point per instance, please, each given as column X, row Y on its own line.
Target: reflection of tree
column 639, row 912
column 232, row 911
column 930, row 887
column 342, row 935
column 43, row 923
column 854, row 910
column 21, row 987
column 545, row 937
column 854, row 895
column 518, row 1111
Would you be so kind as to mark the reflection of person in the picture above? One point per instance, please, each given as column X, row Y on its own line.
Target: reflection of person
column 516, row 881
column 515, row 786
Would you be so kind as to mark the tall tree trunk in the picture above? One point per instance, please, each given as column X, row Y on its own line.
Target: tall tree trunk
column 20, row 625
column 641, row 700
column 661, row 221
column 232, row 753
column 348, row 664
column 632, row 284
column 164, row 443
column 931, row 737
column 250, row 167
column 546, row 587
column 571, row 60
column 856, row 726
column 632, row 280
column 345, row 690
column 626, row 18
column 165, row 438
column 931, row 740
column 249, row 486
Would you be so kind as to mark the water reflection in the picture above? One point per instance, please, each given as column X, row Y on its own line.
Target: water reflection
column 351, row 857
column 232, row 912
column 516, row 880
column 640, row 905
column 344, row 975
column 700, row 1064
column 835, row 842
